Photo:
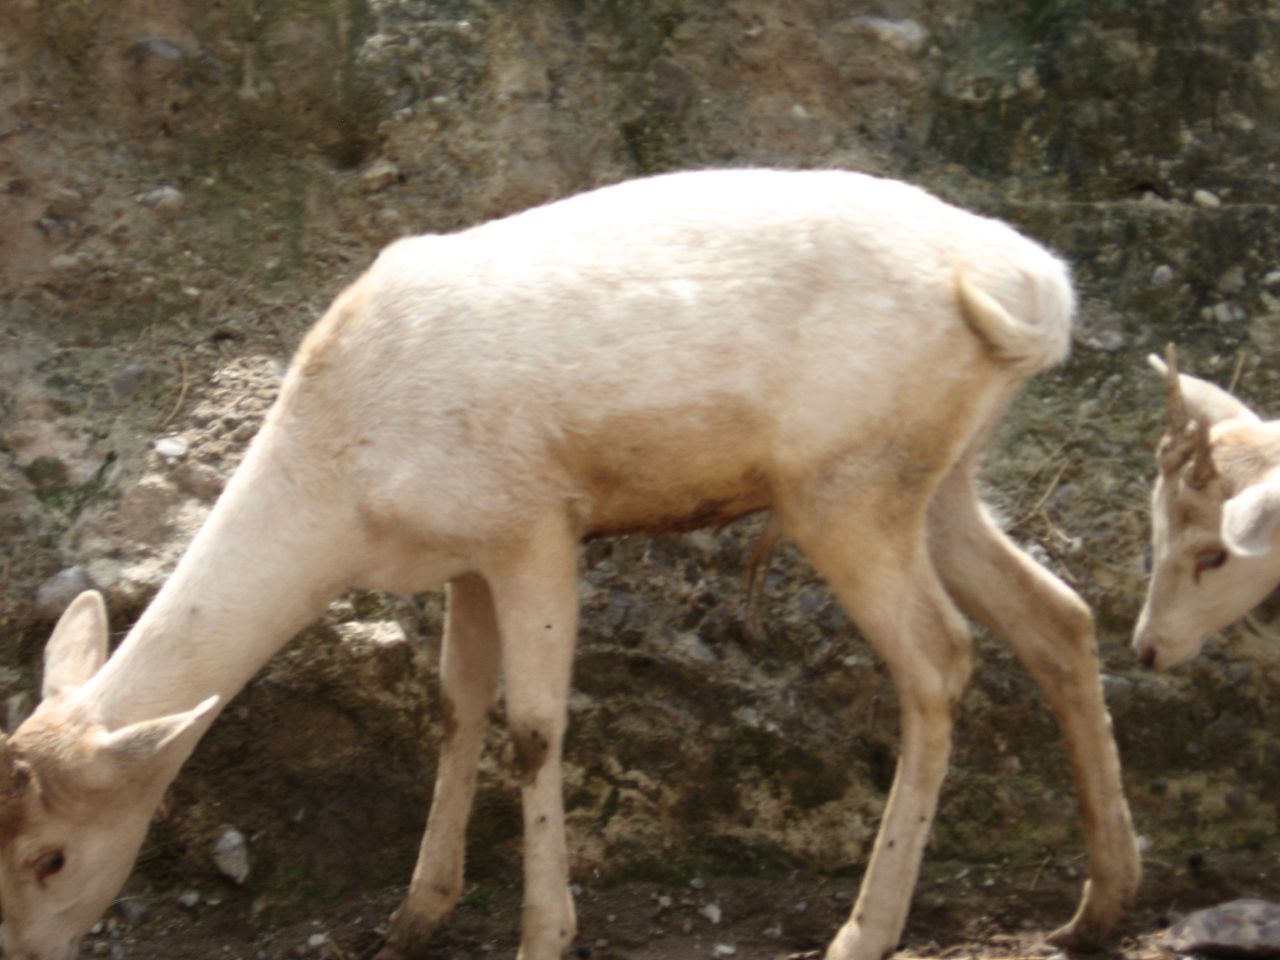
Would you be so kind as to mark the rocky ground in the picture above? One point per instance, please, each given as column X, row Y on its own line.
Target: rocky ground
column 184, row 186
column 996, row 910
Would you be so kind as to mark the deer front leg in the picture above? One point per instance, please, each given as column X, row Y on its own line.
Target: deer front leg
column 1050, row 630
column 468, row 681
column 536, row 597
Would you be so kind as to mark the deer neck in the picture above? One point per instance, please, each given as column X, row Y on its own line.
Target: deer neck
column 275, row 549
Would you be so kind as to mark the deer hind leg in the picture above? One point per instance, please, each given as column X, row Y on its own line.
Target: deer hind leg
column 884, row 581
column 1050, row 629
column 536, row 598
column 468, row 683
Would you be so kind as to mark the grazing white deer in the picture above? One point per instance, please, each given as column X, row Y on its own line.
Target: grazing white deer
column 1215, row 518
column 654, row 356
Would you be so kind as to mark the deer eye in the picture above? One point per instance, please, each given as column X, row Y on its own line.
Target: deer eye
column 49, row 865
column 1209, row 560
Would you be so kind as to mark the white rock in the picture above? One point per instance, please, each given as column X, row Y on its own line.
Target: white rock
column 723, row 950
column 382, row 633
column 1206, row 199
column 905, row 36
column 231, row 855
column 712, row 912
column 168, row 200
column 172, row 448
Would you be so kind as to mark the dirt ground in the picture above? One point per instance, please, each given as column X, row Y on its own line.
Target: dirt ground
column 975, row 910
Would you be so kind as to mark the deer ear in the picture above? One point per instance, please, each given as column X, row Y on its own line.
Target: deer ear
column 78, row 646
column 140, row 743
column 1250, row 518
column 1205, row 402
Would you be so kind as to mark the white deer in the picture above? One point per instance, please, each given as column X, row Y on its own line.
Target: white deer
column 1215, row 518
column 658, row 355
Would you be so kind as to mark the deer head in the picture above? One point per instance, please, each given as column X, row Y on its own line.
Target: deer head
column 76, row 797
column 1215, row 510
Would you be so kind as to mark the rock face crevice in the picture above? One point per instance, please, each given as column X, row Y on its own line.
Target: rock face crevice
column 184, row 185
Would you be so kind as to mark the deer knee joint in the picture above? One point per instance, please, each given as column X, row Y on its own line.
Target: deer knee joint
column 532, row 748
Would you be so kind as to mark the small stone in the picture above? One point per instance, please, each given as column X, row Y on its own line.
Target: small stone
column 68, row 261
column 190, row 899
column 1232, row 281
column 379, row 175
column 157, row 47
column 231, row 854
column 723, row 950
column 133, row 909
column 65, row 203
column 55, row 594
column 712, row 912
column 172, row 448
column 1239, row 928
column 1206, row 199
column 1162, row 276
column 381, row 633
column 165, row 200
column 905, row 36
column 317, row 941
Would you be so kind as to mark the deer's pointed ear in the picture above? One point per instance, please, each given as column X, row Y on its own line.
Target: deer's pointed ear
column 140, row 743
column 1251, row 518
column 78, row 646
column 1204, row 401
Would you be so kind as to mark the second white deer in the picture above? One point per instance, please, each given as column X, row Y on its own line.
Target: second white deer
column 1215, row 518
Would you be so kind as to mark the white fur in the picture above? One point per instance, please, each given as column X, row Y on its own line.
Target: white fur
column 1236, row 511
column 654, row 355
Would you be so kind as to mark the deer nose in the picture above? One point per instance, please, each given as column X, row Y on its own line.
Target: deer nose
column 1148, row 657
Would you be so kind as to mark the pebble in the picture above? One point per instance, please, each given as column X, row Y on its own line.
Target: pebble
column 1206, row 199
column 231, row 854
column 133, row 909
column 55, row 594
column 1240, row 928
column 1232, row 281
column 1162, row 276
column 723, row 950
column 189, row 899
column 166, row 200
column 172, row 448
column 905, row 36
column 65, row 203
column 158, row 47
column 712, row 912
column 379, row 175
